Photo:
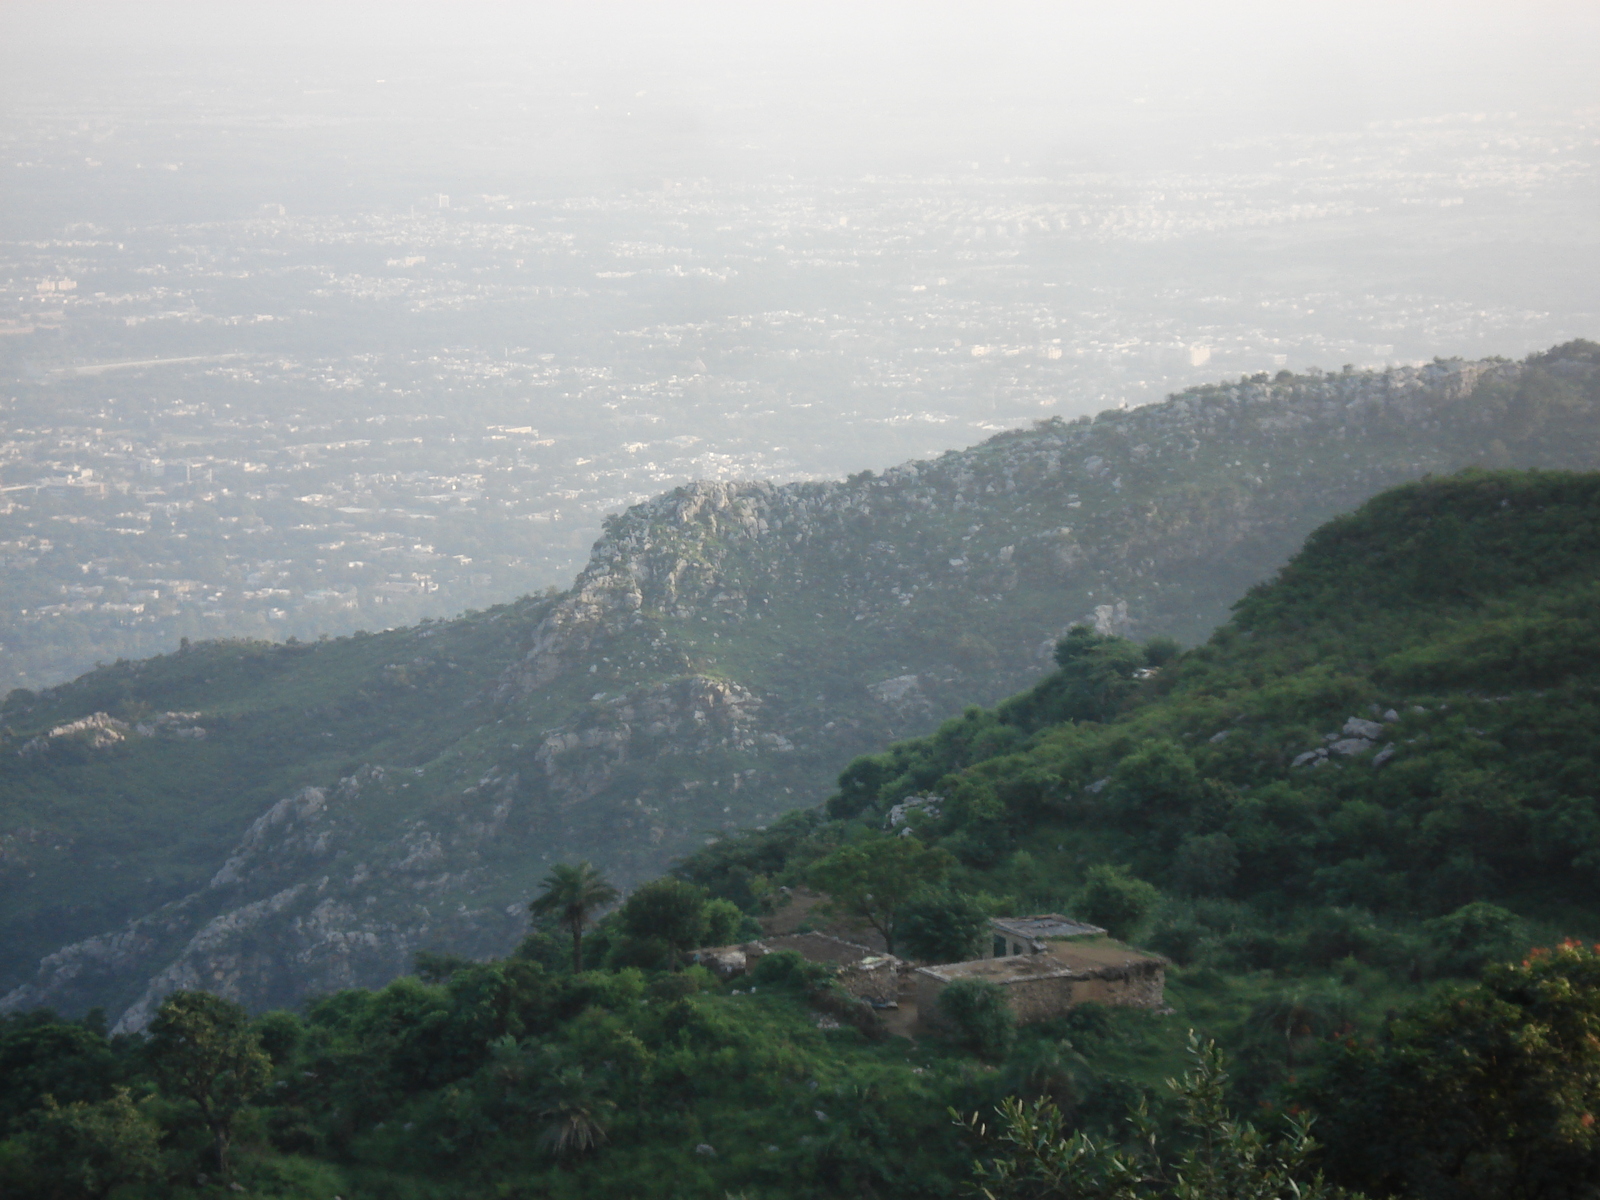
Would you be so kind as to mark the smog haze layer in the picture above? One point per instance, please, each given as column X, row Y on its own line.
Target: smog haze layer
column 325, row 317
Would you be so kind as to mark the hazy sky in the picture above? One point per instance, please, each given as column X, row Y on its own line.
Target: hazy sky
column 703, row 240
column 482, row 95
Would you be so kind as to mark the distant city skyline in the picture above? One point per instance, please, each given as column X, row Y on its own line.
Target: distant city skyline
column 415, row 301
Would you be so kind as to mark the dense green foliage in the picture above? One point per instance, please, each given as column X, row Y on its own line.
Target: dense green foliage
column 665, row 917
column 728, row 648
column 1438, row 640
column 609, row 1082
column 876, row 879
column 1034, row 1158
column 203, row 1051
column 1112, row 899
column 1512, row 1070
column 1381, row 776
column 978, row 1011
column 941, row 925
column 1328, row 915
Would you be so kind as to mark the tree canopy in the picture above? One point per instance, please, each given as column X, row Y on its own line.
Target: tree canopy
column 874, row 878
column 572, row 893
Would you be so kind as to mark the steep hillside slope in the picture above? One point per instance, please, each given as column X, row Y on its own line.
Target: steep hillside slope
column 1402, row 723
column 728, row 648
column 1381, row 776
column 1378, row 777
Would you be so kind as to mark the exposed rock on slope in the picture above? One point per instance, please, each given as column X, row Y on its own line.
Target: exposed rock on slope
column 728, row 648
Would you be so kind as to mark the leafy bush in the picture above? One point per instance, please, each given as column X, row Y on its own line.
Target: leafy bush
column 1474, row 935
column 724, row 922
column 279, row 1034
column 1031, row 1154
column 1115, row 900
column 786, row 969
column 1180, row 938
column 1482, row 1092
column 639, row 953
column 83, row 1151
column 41, row 1056
column 667, row 911
column 1205, row 865
column 980, row 1014
column 875, row 878
column 943, row 926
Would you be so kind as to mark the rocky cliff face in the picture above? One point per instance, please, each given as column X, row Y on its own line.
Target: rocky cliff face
column 731, row 645
column 296, row 911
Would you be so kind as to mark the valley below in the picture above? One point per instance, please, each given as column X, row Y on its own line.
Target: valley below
column 275, row 821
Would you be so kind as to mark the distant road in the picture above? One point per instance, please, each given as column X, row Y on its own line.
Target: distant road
column 102, row 368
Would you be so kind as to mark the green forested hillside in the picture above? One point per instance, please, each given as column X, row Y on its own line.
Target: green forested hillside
column 1402, row 722
column 281, row 821
column 1345, row 818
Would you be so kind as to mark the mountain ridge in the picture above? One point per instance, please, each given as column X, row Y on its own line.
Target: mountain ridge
column 726, row 651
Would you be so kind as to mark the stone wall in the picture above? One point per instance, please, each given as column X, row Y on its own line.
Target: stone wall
column 875, row 980
column 872, row 977
column 813, row 947
column 1048, row 995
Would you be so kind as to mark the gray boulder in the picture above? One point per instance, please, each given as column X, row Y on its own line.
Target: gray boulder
column 1362, row 728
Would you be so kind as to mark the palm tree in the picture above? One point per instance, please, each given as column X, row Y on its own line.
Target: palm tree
column 576, row 1112
column 572, row 891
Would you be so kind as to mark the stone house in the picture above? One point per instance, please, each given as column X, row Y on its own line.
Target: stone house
column 1032, row 935
column 1045, row 970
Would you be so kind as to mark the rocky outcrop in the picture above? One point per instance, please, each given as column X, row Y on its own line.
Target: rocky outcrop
column 681, row 718
column 293, row 913
column 1150, row 495
column 1357, row 736
column 80, row 974
column 292, row 825
column 730, row 646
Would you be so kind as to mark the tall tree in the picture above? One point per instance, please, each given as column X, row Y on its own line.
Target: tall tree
column 203, row 1049
column 572, row 892
column 667, row 910
column 874, row 879
column 943, row 926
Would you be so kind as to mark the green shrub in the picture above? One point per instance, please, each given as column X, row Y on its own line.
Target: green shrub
column 786, row 969
column 1205, row 866
column 667, row 988
column 643, row 953
column 982, row 1018
column 280, row 1034
column 943, row 926
column 1473, row 936
column 83, row 1151
column 544, row 949
column 724, row 921
column 1180, row 939
column 666, row 910
column 1115, row 900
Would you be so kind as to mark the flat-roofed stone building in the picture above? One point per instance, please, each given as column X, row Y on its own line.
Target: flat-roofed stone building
column 1040, row 984
column 1032, row 935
